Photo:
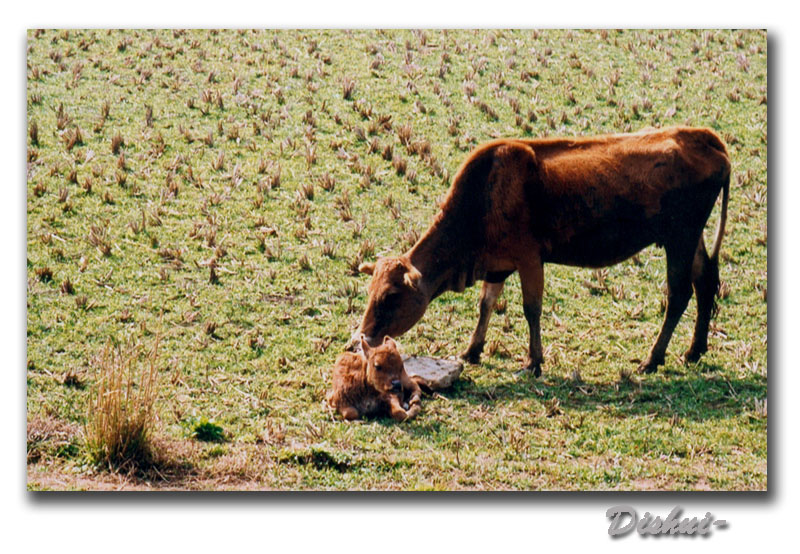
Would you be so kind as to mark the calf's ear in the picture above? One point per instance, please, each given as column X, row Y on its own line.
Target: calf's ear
column 390, row 341
column 367, row 267
column 364, row 346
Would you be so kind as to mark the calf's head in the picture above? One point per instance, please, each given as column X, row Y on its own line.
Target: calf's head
column 384, row 366
column 396, row 299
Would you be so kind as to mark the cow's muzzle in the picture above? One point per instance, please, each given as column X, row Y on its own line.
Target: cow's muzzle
column 354, row 344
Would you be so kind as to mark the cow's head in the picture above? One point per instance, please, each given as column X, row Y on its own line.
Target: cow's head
column 384, row 366
column 396, row 299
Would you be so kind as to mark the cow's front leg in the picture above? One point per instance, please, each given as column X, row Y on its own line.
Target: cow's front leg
column 532, row 280
column 490, row 292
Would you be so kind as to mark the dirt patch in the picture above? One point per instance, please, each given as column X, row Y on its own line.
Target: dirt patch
column 48, row 437
column 179, row 465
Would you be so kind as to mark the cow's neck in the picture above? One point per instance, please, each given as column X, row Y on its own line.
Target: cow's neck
column 446, row 258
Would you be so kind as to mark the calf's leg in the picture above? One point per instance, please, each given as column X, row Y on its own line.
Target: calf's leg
column 679, row 291
column 490, row 292
column 398, row 413
column 411, row 388
column 422, row 384
column 532, row 280
column 705, row 280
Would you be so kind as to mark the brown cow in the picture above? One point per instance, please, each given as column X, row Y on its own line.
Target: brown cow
column 374, row 382
column 517, row 204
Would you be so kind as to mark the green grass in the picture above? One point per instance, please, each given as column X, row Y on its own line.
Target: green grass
column 206, row 431
column 222, row 187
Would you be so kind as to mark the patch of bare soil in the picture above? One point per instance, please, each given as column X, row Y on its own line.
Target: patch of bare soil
column 179, row 465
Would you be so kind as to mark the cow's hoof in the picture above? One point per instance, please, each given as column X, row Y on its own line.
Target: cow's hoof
column 647, row 367
column 471, row 357
column 693, row 355
column 527, row 371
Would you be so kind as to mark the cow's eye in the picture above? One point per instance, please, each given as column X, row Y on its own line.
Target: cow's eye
column 377, row 367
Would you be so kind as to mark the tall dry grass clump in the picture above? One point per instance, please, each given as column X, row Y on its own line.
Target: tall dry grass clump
column 121, row 409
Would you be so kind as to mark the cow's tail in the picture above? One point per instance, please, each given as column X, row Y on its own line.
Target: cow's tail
column 723, row 217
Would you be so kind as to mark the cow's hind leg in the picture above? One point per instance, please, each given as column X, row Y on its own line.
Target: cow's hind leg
column 679, row 291
column 490, row 292
column 705, row 280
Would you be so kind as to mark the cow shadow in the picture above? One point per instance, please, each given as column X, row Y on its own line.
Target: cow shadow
column 700, row 392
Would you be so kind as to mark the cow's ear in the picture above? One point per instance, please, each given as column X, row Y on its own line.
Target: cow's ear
column 368, row 267
column 412, row 277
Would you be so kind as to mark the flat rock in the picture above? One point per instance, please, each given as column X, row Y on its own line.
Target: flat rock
column 439, row 373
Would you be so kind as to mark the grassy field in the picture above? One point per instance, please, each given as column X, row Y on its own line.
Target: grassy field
column 212, row 192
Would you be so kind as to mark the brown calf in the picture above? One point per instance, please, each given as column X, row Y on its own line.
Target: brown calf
column 374, row 382
column 515, row 205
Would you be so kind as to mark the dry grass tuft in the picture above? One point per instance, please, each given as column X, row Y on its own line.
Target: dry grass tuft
column 45, row 274
column 33, row 133
column 62, row 118
column 67, row 287
column 327, row 182
column 348, row 86
column 121, row 408
column 73, row 138
column 342, row 205
column 148, row 115
column 400, row 165
column 218, row 163
column 116, row 143
column 99, row 239
column 307, row 191
column 552, row 407
column 304, row 263
column 404, row 133
column 329, row 249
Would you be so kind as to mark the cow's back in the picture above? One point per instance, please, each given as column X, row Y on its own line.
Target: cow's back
column 599, row 200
